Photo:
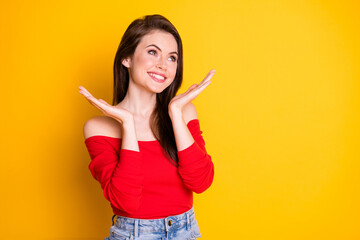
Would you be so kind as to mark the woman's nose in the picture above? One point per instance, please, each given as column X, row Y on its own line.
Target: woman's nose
column 161, row 63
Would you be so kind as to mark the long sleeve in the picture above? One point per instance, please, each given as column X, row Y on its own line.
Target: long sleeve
column 195, row 166
column 120, row 173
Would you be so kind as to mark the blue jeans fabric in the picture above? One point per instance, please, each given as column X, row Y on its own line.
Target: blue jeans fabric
column 179, row 227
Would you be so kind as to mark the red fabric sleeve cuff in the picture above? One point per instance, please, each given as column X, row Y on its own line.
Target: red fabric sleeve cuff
column 190, row 153
column 130, row 162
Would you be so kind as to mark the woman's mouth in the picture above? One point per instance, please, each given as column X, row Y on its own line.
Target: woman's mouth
column 157, row 77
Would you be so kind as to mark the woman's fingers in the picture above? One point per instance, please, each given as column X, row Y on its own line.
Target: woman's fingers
column 191, row 88
column 203, row 84
column 84, row 92
column 97, row 104
column 196, row 89
column 104, row 102
column 107, row 109
column 210, row 74
column 100, row 104
column 207, row 78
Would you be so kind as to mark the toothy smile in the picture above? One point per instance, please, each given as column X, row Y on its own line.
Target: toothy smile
column 157, row 77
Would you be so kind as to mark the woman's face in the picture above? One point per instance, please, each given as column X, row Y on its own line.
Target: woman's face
column 154, row 63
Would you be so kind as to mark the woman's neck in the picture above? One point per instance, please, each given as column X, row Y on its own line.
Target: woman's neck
column 139, row 101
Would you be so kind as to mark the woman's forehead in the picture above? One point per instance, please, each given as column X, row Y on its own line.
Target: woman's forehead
column 164, row 40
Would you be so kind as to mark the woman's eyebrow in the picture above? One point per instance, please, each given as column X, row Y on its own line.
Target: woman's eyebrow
column 160, row 49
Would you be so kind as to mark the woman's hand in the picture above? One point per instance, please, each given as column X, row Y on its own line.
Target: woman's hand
column 119, row 114
column 179, row 101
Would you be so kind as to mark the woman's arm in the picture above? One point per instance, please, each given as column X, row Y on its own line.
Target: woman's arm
column 195, row 166
column 124, row 117
column 120, row 173
column 179, row 121
column 180, row 105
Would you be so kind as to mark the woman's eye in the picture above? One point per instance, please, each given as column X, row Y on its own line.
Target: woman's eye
column 152, row 52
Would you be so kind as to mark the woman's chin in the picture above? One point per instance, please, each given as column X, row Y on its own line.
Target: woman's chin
column 159, row 89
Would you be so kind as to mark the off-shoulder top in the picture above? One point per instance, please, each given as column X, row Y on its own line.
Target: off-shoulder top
column 145, row 184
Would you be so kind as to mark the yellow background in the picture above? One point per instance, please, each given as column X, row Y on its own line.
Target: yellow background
column 280, row 118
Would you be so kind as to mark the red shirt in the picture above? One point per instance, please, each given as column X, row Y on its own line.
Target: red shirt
column 145, row 184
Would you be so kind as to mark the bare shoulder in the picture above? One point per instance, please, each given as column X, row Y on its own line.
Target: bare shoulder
column 102, row 125
column 189, row 112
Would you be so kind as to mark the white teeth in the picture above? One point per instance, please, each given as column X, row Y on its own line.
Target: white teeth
column 157, row 76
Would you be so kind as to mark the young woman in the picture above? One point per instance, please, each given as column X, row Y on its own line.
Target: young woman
column 147, row 151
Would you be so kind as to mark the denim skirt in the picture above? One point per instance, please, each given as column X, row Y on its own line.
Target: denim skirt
column 179, row 227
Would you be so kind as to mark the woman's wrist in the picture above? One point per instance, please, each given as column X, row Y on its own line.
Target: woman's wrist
column 175, row 113
column 128, row 132
column 126, row 121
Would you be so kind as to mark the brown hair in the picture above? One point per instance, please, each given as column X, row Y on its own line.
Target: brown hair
column 160, row 121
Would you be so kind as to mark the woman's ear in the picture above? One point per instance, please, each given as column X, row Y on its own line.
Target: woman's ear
column 126, row 62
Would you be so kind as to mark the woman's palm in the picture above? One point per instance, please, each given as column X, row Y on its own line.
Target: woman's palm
column 180, row 100
column 117, row 113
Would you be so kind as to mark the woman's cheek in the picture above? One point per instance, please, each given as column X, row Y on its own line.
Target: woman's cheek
column 148, row 61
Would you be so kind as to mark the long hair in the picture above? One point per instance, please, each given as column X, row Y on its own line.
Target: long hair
column 160, row 121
